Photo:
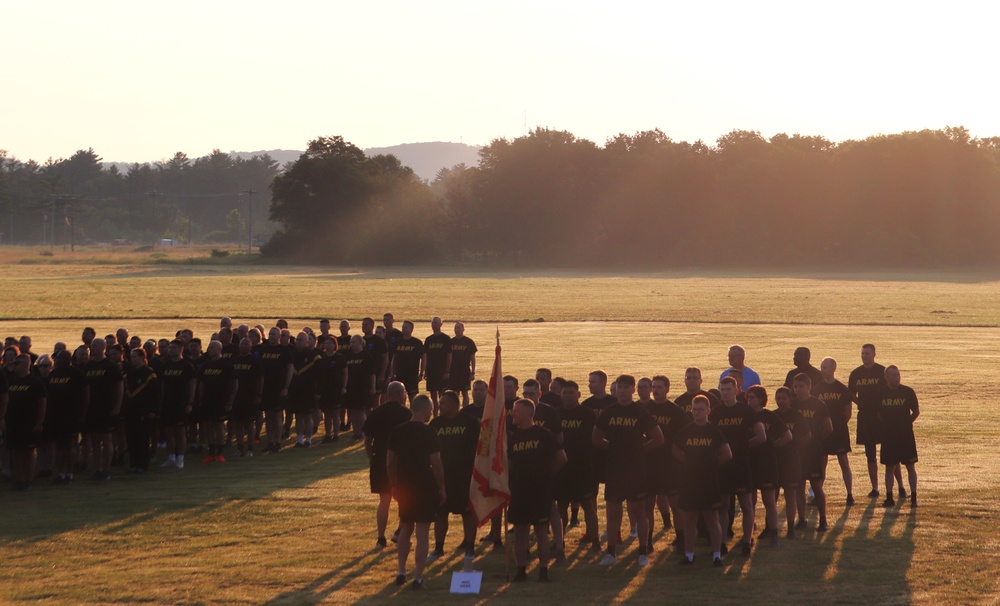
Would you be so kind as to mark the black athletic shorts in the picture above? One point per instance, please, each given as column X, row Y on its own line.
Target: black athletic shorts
column 789, row 470
column 243, row 411
column 417, row 505
column 576, row 482
column 214, row 412
column 21, row 434
column 195, row 416
column 813, row 462
column 411, row 383
column 736, row 476
column 626, row 483
column 871, row 453
column 838, row 442
column 459, row 382
column 22, row 440
column 173, row 415
column 354, row 401
column 302, row 405
column 899, row 446
column 329, row 404
column 457, row 492
column 661, row 474
column 700, row 493
column 600, row 465
column 100, row 423
column 378, row 477
column 272, row 401
column 765, row 471
column 529, row 510
column 59, row 430
column 869, row 428
column 436, row 384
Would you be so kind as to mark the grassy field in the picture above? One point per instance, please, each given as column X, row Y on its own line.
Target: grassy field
column 298, row 527
column 106, row 291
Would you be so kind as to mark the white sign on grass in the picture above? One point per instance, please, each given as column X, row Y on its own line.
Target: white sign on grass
column 466, row 582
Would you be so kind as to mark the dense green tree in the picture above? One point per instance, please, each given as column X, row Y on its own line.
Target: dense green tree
column 337, row 205
column 538, row 197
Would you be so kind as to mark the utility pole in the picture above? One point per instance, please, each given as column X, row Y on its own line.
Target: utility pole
column 153, row 195
column 249, row 193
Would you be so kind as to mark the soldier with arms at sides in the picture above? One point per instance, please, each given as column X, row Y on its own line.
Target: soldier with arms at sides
column 463, row 363
column 743, row 431
column 535, row 457
column 626, row 431
column 438, row 361
column 377, row 427
column 458, row 435
column 839, row 404
column 416, row 475
column 701, row 449
column 898, row 409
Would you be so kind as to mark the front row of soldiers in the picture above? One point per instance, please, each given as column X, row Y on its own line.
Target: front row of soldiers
column 687, row 457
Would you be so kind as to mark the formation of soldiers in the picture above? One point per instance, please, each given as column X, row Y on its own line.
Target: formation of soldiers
column 691, row 459
column 118, row 398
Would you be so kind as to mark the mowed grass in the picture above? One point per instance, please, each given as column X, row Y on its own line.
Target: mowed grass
column 143, row 291
column 298, row 527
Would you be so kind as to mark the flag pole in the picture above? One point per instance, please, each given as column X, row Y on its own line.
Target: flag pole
column 507, row 549
column 505, row 532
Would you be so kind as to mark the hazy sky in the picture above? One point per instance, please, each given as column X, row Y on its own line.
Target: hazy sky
column 138, row 81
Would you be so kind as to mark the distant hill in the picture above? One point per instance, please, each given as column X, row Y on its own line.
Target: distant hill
column 426, row 159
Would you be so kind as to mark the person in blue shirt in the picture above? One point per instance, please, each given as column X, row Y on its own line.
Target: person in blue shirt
column 737, row 359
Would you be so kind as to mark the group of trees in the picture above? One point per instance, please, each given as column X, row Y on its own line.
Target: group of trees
column 551, row 199
column 644, row 200
column 81, row 199
column 336, row 205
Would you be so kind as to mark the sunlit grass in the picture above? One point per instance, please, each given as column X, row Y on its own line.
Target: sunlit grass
column 143, row 291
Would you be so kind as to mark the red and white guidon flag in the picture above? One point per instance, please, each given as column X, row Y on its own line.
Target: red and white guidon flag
column 490, row 491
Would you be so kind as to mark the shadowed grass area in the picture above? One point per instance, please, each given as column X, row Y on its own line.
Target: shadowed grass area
column 295, row 528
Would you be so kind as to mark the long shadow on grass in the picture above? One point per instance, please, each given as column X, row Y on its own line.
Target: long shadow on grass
column 497, row 568
column 880, row 550
column 129, row 500
column 327, row 584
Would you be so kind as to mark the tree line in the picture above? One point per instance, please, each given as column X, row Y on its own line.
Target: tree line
column 914, row 199
column 80, row 199
column 549, row 198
